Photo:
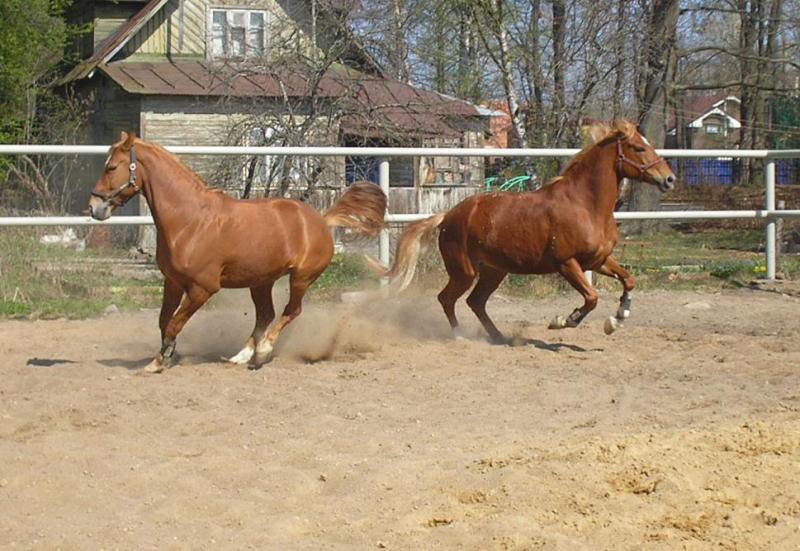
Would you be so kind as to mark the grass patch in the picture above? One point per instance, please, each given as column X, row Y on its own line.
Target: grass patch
column 38, row 280
column 708, row 259
column 49, row 281
column 346, row 272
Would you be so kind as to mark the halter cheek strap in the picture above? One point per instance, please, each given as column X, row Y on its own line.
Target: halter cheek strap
column 131, row 181
column 621, row 158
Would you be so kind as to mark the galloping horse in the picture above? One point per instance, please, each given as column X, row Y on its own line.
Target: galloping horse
column 566, row 227
column 207, row 240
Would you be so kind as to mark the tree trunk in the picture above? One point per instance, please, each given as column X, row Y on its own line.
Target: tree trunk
column 399, row 52
column 657, row 76
column 619, row 51
column 536, row 121
column 559, row 92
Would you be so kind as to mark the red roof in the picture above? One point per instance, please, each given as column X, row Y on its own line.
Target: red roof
column 377, row 105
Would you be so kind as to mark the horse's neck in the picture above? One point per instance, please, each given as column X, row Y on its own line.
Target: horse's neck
column 172, row 194
column 597, row 174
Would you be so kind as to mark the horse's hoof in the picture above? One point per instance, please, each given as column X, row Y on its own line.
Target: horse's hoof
column 264, row 354
column 611, row 325
column 558, row 322
column 500, row 340
column 156, row 366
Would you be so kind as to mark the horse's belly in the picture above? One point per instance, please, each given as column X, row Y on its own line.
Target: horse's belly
column 519, row 262
column 250, row 273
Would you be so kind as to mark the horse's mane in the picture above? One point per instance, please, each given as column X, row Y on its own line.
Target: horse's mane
column 186, row 173
column 598, row 133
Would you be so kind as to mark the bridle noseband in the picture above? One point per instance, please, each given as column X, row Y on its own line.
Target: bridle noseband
column 621, row 158
column 108, row 197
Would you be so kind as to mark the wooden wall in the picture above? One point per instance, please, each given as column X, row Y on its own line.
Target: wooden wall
column 180, row 29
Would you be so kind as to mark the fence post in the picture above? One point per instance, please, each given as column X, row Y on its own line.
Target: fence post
column 769, row 199
column 383, row 180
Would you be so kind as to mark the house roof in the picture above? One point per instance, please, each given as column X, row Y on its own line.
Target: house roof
column 697, row 109
column 373, row 105
column 107, row 49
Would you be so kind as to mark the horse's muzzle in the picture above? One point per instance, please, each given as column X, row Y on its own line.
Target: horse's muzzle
column 667, row 183
column 99, row 209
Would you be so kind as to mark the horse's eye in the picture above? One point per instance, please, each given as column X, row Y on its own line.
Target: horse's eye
column 639, row 149
column 111, row 167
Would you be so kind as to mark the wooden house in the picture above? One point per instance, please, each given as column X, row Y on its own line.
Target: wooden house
column 267, row 72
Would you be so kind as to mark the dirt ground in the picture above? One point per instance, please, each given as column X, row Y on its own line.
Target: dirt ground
column 682, row 430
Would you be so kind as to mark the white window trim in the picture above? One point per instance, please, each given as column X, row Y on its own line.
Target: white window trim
column 698, row 122
column 228, row 9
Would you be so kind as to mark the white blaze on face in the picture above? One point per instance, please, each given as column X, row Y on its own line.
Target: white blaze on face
column 645, row 141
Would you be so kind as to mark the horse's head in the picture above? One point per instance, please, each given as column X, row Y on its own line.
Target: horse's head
column 637, row 159
column 118, row 182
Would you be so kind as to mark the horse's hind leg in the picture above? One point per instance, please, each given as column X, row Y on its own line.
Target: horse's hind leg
column 298, row 285
column 461, row 273
column 572, row 272
column 192, row 300
column 611, row 268
column 488, row 281
column 265, row 313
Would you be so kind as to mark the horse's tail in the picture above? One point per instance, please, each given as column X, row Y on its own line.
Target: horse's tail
column 407, row 253
column 361, row 208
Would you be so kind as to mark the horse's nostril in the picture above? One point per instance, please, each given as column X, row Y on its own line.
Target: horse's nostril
column 670, row 179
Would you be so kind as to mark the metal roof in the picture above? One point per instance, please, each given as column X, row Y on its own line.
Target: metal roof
column 372, row 105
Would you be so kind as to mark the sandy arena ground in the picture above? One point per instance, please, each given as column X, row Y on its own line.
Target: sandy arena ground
column 682, row 430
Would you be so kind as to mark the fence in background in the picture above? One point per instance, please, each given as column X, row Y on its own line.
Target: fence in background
column 770, row 214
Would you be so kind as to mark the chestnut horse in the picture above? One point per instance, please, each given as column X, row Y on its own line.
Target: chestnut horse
column 207, row 240
column 566, row 227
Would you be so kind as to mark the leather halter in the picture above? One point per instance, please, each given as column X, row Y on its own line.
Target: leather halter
column 108, row 197
column 621, row 158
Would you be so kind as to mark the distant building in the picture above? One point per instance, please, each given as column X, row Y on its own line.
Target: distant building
column 707, row 122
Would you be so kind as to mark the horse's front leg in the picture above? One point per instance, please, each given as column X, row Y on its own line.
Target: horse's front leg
column 191, row 301
column 169, row 303
column 572, row 272
column 611, row 268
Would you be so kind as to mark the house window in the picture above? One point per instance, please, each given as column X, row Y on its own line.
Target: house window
column 713, row 129
column 238, row 33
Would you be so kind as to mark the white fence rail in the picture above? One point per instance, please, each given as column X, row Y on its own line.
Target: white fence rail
column 769, row 213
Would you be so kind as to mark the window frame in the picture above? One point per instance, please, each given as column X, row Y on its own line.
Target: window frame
column 227, row 42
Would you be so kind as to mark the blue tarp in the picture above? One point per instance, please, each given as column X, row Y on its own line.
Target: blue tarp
column 727, row 171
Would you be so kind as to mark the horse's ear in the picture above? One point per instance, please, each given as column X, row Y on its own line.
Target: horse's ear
column 597, row 132
column 129, row 139
column 123, row 136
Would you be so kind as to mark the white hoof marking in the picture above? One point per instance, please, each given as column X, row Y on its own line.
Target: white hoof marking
column 558, row 322
column 458, row 334
column 243, row 356
column 155, row 366
column 611, row 325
